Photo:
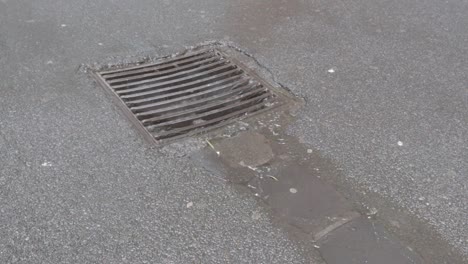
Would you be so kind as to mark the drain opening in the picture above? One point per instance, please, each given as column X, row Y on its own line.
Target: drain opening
column 189, row 94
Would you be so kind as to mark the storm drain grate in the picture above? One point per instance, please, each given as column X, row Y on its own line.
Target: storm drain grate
column 188, row 94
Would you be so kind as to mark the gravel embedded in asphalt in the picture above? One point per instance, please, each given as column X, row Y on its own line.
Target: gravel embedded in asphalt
column 373, row 73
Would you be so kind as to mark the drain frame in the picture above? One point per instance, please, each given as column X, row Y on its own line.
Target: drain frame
column 283, row 97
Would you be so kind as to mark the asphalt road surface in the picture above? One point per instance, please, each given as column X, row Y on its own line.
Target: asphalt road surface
column 386, row 91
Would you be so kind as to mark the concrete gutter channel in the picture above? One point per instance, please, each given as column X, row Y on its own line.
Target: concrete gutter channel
column 286, row 178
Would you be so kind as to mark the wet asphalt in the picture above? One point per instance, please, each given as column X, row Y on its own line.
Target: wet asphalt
column 386, row 99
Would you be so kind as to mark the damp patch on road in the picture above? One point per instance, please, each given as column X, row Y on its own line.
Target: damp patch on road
column 287, row 179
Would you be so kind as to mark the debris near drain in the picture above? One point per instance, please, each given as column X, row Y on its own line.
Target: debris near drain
column 372, row 212
column 256, row 215
column 272, row 177
column 211, row 146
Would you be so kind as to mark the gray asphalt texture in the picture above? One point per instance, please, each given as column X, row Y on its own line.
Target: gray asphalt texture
column 79, row 185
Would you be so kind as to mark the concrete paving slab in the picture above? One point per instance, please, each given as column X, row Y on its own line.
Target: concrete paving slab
column 364, row 241
column 249, row 149
column 304, row 201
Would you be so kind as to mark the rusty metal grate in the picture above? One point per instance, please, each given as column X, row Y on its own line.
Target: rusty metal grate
column 188, row 94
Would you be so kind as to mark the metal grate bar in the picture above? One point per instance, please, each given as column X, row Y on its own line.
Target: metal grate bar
column 218, row 64
column 203, row 94
column 190, row 104
column 153, row 90
column 191, row 110
column 215, row 125
column 184, row 80
column 161, row 72
column 199, row 115
column 153, row 98
column 160, row 67
column 220, row 99
column 185, row 94
column 165, row 134
column 106, row 74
